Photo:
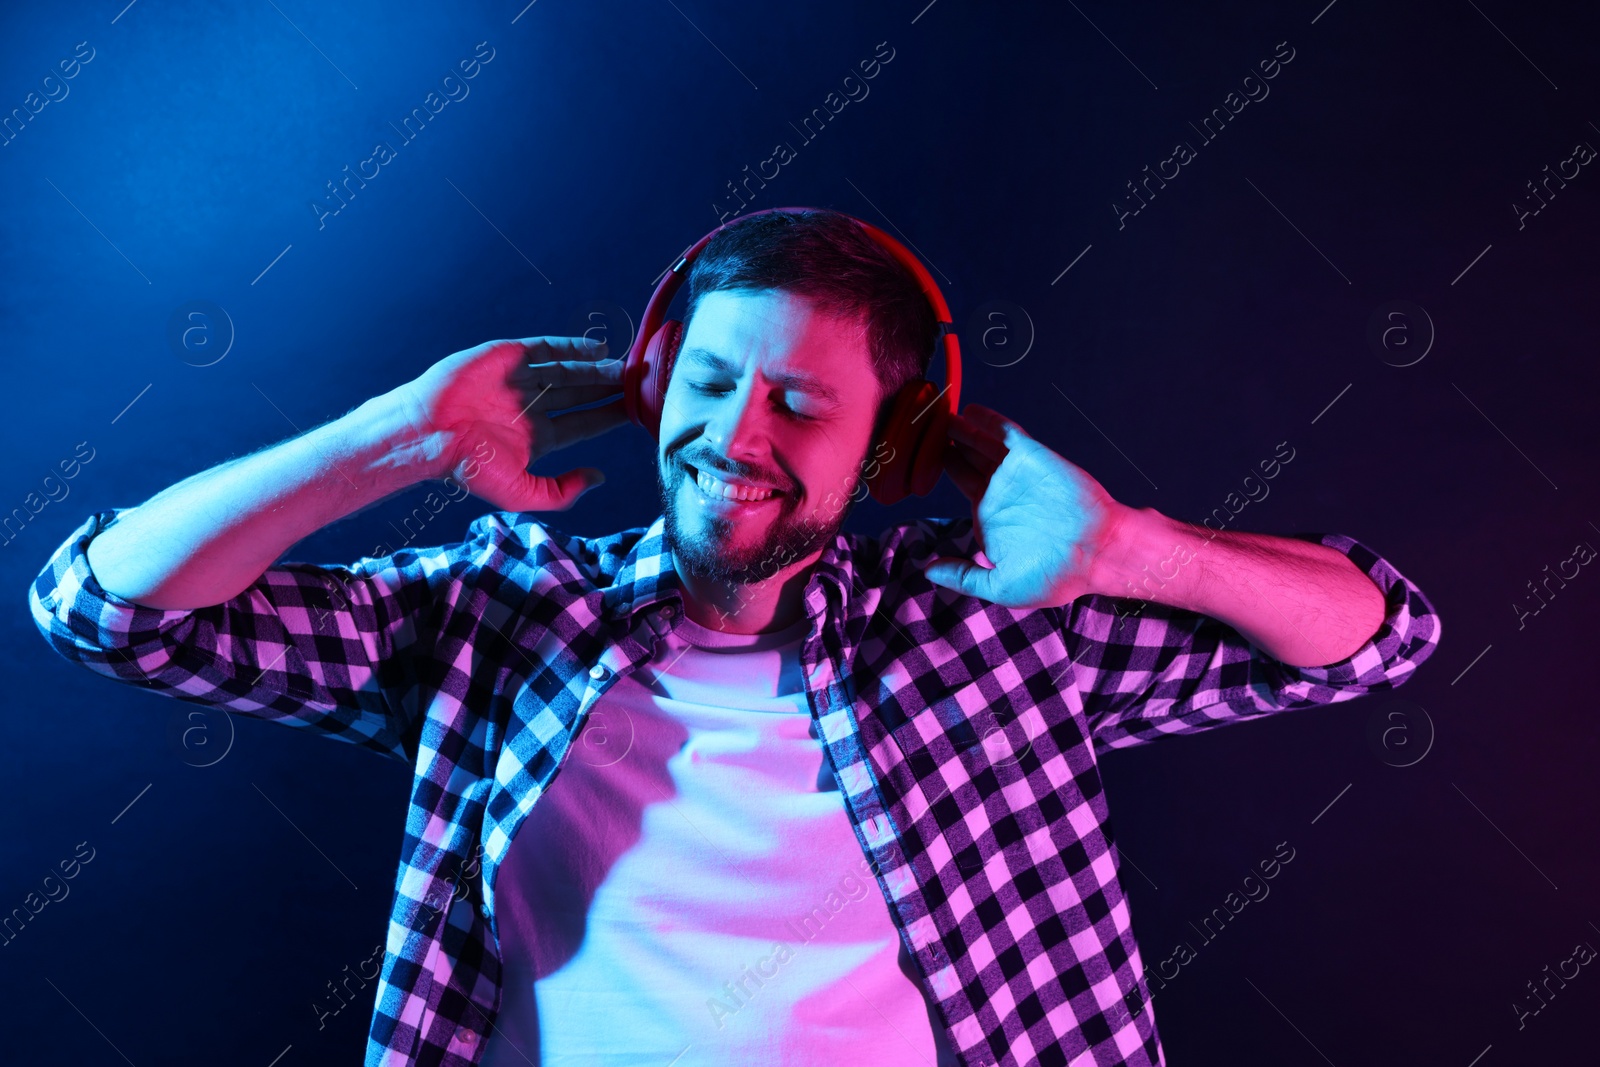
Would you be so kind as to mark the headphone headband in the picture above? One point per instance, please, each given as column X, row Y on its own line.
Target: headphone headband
column 655, row 311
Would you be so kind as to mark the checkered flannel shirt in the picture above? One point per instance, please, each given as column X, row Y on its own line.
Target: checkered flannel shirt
column 963, row 736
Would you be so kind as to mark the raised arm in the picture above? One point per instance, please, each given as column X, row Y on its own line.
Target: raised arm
column 181, row 596
column 202, row 541
column 1229, row 628
column 1144, row 669
column 1302, row 603
column 1052, row 534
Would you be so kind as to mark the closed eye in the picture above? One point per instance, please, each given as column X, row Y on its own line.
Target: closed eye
column 710, row 390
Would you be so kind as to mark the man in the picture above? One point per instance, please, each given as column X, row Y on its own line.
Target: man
column 757, row 719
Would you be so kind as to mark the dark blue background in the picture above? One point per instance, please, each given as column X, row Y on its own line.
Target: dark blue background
column 1190, row 342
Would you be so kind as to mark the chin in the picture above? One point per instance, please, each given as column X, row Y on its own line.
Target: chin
column 731, row 548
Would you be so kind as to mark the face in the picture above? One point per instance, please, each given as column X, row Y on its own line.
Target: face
column 776, row 403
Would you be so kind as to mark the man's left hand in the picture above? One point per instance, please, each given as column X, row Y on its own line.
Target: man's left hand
column 1041, row 521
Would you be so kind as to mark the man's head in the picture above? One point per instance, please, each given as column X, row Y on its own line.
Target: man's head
column 800, row 329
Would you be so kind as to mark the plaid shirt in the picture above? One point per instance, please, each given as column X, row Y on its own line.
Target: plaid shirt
column 963, row 736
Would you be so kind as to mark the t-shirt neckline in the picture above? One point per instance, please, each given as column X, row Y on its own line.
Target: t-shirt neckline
column 722, row 641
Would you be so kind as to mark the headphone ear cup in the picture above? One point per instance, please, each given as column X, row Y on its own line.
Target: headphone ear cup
column 917, row 430
column 649, row 381
column 891, row 483
column 932, row 442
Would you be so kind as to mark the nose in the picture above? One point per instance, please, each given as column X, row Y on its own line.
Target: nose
column 737, row 426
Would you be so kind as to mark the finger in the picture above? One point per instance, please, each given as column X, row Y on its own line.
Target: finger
column 566, row 373
column 547, row 399
column 972, row 482
column 962, row 575
column 977, row 461
column 578, row 426
column 989, row 445
column 981, row 460
column 546, row 349
column 1009, row 431
column 542, row 492
column 991, row 421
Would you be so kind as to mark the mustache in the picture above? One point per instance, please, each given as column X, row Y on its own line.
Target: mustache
column 732, row 470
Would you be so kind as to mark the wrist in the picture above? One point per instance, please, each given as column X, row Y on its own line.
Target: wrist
column 1143, row 554
column 398, row 445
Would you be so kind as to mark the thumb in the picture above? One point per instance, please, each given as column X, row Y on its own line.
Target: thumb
column 962, row 575
column 542, row 492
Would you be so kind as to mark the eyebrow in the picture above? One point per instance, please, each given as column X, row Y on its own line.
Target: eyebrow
column 806, row 383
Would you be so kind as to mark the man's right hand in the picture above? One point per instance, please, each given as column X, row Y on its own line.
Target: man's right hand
column 499, row 394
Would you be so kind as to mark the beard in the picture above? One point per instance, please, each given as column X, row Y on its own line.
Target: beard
column 712, row 554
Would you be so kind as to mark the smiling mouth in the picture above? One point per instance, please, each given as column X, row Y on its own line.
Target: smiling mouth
column 717, row 489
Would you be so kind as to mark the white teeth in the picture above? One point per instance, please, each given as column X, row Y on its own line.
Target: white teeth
column 717, row 488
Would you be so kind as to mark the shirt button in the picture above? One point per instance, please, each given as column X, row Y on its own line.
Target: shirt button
column 597, row 672
column 668, row 612
column 465, row 1036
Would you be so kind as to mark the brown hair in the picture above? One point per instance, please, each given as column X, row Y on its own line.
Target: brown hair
column 824, row 256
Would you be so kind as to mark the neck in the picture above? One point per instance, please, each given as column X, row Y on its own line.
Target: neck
column 774, row 603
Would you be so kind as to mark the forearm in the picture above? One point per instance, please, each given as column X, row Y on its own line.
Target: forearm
column 1303, row 604
column 205, row 539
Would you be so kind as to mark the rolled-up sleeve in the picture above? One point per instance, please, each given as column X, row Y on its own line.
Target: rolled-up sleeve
column 333, row 648
column 1144, row 669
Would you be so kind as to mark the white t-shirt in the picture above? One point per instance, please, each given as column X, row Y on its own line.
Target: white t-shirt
column 689, row 891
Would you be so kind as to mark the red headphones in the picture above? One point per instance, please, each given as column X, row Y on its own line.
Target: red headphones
column 916, row 428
